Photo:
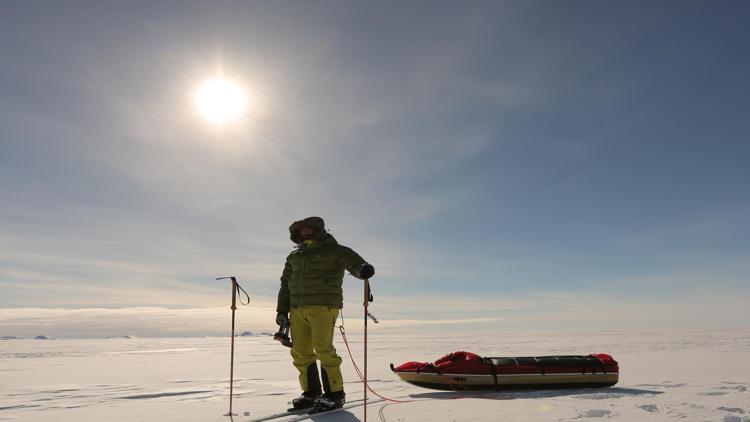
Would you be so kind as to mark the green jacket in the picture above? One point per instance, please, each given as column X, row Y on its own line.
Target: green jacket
column 314, row 275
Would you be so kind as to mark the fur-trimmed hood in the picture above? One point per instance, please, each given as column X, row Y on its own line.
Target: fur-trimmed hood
column 315, row 223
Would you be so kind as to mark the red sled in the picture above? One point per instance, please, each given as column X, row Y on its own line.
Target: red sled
column 461, row 371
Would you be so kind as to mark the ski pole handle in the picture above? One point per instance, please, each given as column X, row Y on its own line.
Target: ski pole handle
column 234, row 291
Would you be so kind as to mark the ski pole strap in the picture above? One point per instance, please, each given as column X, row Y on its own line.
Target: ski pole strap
column 369, row 291
column 370, row 299
column 239, row 289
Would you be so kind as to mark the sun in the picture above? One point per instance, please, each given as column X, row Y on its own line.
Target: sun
column 220, row 100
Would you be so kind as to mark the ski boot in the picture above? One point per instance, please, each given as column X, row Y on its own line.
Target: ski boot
column 329, row 401
column 304, row 402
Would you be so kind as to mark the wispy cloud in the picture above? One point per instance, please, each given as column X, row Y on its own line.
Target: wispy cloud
column 542, row 312
column 138, row 321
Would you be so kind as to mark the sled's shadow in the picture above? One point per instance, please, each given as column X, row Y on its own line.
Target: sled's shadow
column 597, row 393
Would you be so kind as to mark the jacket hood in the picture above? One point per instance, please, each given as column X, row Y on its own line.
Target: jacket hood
column 314, row 223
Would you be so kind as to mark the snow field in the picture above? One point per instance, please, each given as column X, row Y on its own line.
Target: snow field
column 695, row 376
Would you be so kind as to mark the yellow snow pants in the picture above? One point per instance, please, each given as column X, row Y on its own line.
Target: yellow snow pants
column 312, row 339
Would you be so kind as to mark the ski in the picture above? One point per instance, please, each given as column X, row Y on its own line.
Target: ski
column 279, row 415
column 352, row 404
column 301, row 415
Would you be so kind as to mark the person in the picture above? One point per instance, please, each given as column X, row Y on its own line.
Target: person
column 309, row 301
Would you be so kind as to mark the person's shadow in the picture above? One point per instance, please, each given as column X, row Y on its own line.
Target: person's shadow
column 340, row 416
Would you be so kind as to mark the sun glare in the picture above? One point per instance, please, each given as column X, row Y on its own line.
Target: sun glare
column 220, row 100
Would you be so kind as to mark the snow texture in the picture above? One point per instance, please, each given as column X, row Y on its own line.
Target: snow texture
column 664, row 376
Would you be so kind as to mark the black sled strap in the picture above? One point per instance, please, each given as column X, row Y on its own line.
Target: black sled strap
column 493, row 369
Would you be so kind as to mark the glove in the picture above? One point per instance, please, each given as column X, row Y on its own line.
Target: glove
column 282, row 320
column 366, row 271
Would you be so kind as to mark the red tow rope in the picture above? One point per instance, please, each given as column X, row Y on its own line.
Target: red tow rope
column 363, row 374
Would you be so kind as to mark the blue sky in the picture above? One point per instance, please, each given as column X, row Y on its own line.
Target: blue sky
column 517, row 160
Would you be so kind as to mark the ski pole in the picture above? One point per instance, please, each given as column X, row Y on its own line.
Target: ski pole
column 367, row 288
column 368, row 299
column 235, row 289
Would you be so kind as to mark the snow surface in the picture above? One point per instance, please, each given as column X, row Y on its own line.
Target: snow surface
column 694, row 376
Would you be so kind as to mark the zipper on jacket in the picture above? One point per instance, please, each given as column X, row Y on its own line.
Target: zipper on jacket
column 301, row 284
